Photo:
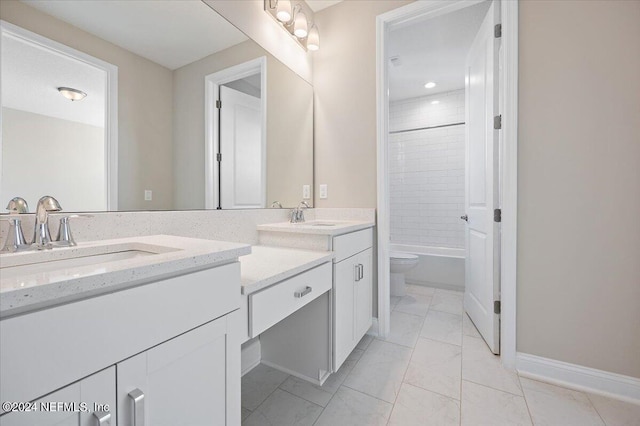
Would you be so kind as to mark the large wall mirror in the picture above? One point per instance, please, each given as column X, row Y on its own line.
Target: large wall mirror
column 182, row 111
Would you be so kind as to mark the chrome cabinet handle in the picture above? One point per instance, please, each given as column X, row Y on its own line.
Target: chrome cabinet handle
column 303, row 293
column 465, row 218
column 357, row 272
column 137, row 397
column 361, row 271
column 103, row 418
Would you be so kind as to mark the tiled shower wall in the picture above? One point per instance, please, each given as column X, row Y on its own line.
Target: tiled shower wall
column 427, row 171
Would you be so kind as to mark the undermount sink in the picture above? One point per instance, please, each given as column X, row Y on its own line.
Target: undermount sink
column 317, row 223
column 64, row 259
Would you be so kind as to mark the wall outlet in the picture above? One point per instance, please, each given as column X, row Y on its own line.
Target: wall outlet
column 306, row 192
column 148, row 195
column 323, row 191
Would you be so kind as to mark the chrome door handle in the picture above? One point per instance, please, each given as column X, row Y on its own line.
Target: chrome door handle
column 303, row 293
column 103, row 418
column 137, row 397
column 465, row 218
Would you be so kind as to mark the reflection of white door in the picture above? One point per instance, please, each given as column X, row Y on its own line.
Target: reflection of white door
column 482, row 287
column 241, row 167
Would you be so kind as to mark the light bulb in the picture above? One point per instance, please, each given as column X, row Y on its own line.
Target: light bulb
column 430, row 85
column 313, row 40
column 283, row 10
column 300, row 25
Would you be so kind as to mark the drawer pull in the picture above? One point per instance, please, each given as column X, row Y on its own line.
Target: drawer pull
column 303, row 293
column 361, row 271
column 103, row 418
column 137, row 397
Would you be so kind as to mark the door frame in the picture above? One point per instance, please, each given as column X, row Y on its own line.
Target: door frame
column 110, row 100
column 423, row 10
column 212, row 83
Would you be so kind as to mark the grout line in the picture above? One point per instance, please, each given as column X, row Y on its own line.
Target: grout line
column 526, row 402
column 304, row 399
column 595, row 408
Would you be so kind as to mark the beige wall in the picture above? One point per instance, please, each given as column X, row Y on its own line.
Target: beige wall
column 344, row 83
column 289, row 127
column 144, row 108
column 46, row 155
column 579, row 183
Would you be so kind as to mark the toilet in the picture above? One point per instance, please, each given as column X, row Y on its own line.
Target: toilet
column 400, row 264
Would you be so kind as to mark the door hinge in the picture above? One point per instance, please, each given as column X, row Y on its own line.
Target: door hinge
column 219, row 157
column 497, row 122
column 497, row 215
column 218, row 103
column 496, row 307
column 497, row 31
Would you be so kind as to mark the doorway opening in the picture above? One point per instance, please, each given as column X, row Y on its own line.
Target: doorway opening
column 442, row 164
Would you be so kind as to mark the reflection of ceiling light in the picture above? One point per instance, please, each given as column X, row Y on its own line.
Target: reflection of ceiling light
column 430, row 85
column 313, row 40
column 300, row 24
column 283, row 10
column 435, row 102
column 72, row 94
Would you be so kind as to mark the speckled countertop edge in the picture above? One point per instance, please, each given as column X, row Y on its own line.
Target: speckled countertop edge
column 266, row 266
column 342, row 227
column 191, row 254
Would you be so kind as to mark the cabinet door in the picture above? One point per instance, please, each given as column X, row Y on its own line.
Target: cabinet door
column 83, row 401
column 363, row 311
column 183, row 381
column 344, row 276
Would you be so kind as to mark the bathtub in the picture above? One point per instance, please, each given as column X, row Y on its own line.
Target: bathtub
column 437, row 267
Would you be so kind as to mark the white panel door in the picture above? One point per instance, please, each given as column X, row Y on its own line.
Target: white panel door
column 242, row 174
column 482, row 285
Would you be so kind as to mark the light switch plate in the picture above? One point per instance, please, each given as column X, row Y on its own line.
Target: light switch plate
column 148, row 195
column 323, row 190
column 306, row 192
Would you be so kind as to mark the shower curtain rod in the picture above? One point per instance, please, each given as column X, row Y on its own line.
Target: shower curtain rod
column 426, row 128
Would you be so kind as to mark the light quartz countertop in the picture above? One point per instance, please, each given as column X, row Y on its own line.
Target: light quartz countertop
column 266, row 266
column 318, row 227
column 166, row 256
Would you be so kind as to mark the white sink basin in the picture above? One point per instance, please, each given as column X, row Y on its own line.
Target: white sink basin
column 317, row 223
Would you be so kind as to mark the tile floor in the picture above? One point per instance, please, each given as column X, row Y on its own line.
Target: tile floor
column 433, row 369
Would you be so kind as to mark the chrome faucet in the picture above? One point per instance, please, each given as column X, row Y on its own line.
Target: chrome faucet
column 297, row 214
column 276, row 205
column 41, row 234
column 15, row 240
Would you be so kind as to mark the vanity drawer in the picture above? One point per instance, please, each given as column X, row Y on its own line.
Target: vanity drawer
column 270, row 306
column 347, row 245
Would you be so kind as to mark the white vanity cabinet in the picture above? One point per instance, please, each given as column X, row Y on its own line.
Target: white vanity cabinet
column 353, row 290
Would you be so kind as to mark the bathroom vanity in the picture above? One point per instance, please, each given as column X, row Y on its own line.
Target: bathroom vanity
column 147, row 331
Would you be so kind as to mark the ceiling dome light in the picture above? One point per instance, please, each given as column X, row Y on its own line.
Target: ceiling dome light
column 313, row 40
column 430, row 85
column 72, row 94
column 283, row 10
column 435, row 102
column 300, row 25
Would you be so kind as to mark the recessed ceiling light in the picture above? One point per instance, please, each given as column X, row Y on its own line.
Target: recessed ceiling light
column 435, row 102
column 72, row 94
column 430, row 85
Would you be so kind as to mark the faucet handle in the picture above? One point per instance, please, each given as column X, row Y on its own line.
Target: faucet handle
column 65, row 238
column 18, row 205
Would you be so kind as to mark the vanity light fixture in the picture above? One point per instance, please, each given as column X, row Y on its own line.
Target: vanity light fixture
column 435, row 102
column 430, row 85
column 294, row 19
column 72, row 94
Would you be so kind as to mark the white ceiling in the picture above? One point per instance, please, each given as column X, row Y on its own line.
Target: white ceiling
column 31, row 76
column 318, row 5
column 432, row 50
column 172, row 33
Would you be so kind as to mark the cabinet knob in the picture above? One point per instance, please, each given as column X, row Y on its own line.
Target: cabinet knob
column 102, row 418
column 137, row 398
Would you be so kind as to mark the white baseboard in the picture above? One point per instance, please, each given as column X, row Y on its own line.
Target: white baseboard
column 373, row 330
column 250, row 355
column 580, row 378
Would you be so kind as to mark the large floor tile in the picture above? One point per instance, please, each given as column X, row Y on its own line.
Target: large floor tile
column 616, row 413
column 468, row 328
column 447, row 301
column 353, row 408
column 380, row 370
column 443, row 327
column 420, row 289
column 284, row 409
column 405, row 329
column 306, row 390
column 419, row 407
column 258, row 384
column 487, row 406
column 436, row 366
column 245, row 413
column 553, row 405
column 416, row 304
column 394, row 301
column 480, row 366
